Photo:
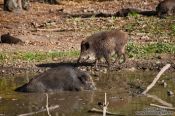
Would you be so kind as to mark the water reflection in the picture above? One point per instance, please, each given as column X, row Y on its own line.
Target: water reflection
column 78, row 103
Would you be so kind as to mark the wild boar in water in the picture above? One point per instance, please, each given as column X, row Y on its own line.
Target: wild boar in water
column 166, row 8
column 62, row 78
column 104, row 44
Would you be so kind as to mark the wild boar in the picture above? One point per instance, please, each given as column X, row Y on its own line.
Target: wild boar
column 104, row 44
column 166, row 8
column 7, row 38
column 62, row 78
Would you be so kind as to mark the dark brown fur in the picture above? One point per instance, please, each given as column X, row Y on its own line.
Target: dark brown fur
column 166, row 8
column 103, row 44
column 7, row 38
column 62, row 78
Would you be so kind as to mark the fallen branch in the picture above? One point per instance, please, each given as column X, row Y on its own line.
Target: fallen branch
column 121, row 13
column 47, row 105
column 156, row 78
column 105, row 106
column 164, row 107
column 104, row 111
column 160, row 100
column 43, row 110
column 54, row 30
column 93, row 14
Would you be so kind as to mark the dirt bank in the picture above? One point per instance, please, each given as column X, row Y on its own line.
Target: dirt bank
column 132, row 65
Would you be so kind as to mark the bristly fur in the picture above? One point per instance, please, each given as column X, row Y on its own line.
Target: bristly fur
column 103, row 44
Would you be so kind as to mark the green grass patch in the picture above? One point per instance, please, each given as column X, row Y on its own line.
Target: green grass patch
column 133, row 14
column 141, row 50
column 153, row 26
column 2, row 56
column 37, row 56
column 134, row 50
column 173, row 27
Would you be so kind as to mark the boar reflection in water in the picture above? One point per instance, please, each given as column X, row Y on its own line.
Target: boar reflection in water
column 62, row 78
column 103, row 44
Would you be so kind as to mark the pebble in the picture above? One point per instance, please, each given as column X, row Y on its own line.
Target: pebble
column 132, row 69
column 170, row 93
column 164, row 83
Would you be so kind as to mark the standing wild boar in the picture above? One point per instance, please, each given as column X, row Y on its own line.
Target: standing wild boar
column 62, row 78
column 166, row 7
column 104, row 44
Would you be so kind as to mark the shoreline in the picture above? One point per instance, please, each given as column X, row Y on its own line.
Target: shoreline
column 130, row 65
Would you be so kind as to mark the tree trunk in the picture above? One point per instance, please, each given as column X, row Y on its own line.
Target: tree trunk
column 13, row 5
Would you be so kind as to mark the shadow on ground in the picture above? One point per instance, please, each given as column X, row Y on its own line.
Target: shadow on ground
column 74, row 64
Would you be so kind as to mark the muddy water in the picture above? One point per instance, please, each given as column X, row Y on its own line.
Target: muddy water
column 121, row 87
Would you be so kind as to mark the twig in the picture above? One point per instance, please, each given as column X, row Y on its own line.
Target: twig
column 164, row 107
column 54, row 30
column 159, row 100
column 43, row 110
column 104, row 111
column 95, row 110
column 105, row 106
column 157, row 78
column 47, row 105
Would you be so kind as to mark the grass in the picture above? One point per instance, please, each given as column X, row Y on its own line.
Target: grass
column 153, row 26
column 142, row 50
column 173, row 27
column 134, row 50
column 37, row 56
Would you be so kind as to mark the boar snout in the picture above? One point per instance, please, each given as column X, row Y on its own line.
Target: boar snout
column 82, row 58
column 79, row 59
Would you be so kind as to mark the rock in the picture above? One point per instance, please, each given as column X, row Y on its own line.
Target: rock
column 164, row 83
column 170, row 93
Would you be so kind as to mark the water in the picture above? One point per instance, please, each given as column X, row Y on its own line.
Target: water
column 116, row 84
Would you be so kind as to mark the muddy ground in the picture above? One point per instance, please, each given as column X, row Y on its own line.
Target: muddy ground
column 46, row 28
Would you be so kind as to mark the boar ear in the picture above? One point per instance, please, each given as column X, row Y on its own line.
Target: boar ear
column 86, row 45
column 82, row 78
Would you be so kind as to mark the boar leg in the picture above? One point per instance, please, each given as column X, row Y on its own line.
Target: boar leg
column 117, row 60
column 78, row 61
column 169, row 12
column 96, row 63
column 119, row 57
column 120, row 54
column 124, row 58
column 107, row 60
